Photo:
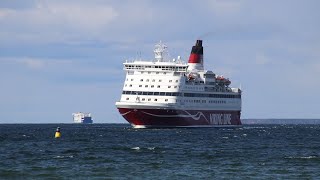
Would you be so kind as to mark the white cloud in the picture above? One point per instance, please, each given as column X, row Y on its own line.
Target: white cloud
column 262, row 59
column 225, row 7
column 55, row 21
column 34, row 63
column 5, row 12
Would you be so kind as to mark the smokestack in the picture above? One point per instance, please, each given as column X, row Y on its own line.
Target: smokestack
column 196, row 56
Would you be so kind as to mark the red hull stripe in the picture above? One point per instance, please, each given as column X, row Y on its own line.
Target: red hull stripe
column 165, row 117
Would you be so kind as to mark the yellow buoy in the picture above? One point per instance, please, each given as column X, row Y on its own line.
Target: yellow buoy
column 58, row 133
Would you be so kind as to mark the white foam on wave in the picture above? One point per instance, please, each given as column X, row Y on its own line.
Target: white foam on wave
column 301, row 157
column 151, row 148
column 62, row 157
column 136, row 148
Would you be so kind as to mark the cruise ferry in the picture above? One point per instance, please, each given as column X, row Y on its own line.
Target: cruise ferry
column 82, row 118
column 172, row 93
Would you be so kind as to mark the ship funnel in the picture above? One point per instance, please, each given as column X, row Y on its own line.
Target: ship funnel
column 196, row 57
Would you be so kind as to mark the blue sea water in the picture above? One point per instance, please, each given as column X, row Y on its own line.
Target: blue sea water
column 116, row 151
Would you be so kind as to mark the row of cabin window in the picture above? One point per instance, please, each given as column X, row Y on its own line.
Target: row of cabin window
column 212, row 95
column 152, row 86
column 205, row 101
column 190, row 101
column 153, row 80
column 181, row 94
column 129, row 72
column 149, row 99
column 161, row 67
column 155, row 72
column 153, row 93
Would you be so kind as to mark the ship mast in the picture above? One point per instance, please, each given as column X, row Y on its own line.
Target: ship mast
column 160, row 51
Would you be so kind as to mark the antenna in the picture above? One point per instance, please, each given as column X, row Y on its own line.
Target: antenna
column 159, row 51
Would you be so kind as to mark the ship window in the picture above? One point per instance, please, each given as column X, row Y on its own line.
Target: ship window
column 149, row 99
column 142, row 72
column 144, row 93
column 141, row 80
column 158, row 86
column 140, row 85
column 162, row 93
column 153, row 80
column 164, row 73
column 147, row 80
column 143, row 99
column 166, row 100
column 156, row 93
column 125, row 85
column 157, row 72
column 159, row 80
column 169, row 86
column 149, row 72
column 168, row 94
column 130, row 85
column 131, row 79
column 127, row 98
column 128, row 92
column 170, row 80
column 152, row 86
column 150, row 93
column 155, row 99
column 175, row 86
column 146, row 86
column 177, row 80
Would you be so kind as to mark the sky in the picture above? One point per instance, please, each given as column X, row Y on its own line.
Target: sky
column 59, row 57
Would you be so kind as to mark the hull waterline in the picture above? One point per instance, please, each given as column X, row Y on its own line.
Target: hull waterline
column 148, row 118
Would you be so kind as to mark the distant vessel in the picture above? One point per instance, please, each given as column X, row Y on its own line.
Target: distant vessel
column 171, row 93
column 82, row 118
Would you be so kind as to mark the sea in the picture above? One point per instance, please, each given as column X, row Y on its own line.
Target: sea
column 117, row 151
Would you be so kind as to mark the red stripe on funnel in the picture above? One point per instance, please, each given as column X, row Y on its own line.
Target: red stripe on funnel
column 195, row 58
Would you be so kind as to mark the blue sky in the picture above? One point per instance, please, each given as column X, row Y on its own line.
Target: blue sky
column 59, row 57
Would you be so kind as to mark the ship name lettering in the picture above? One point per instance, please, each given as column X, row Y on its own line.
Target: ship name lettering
column 220, row 119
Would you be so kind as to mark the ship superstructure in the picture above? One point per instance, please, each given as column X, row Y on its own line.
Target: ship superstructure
column 171, row 93
column 82, row 118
